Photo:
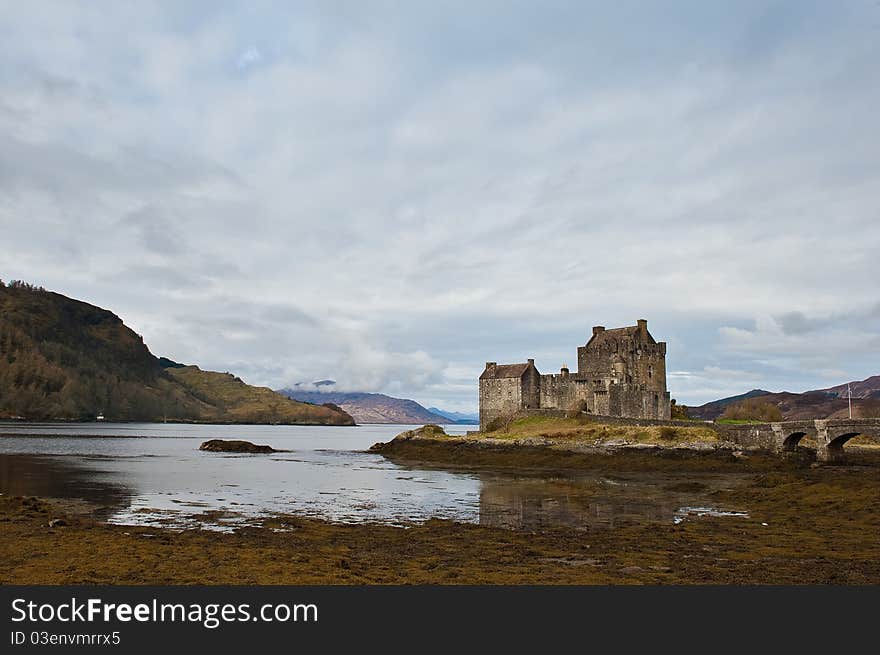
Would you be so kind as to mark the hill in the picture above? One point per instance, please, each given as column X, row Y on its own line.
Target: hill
column 821, row 404
column 714, row 409
column 370, row 407
column 63, row 359
column 457, row 417
column 242, row 403
column 832, row 402
column 868, row 388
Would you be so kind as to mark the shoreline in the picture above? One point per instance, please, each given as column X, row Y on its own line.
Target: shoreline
column 575, row 445
column 12, row 421
column 427, row 445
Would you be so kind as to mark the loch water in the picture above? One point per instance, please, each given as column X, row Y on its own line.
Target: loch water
column 154, row 474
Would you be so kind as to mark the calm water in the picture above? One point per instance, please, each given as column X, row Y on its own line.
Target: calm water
column 154, row 474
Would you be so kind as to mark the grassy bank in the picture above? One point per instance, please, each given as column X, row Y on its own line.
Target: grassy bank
column 584, row 430
column 579, row 443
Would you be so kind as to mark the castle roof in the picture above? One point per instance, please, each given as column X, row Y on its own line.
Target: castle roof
column 628, row 331
column 504, row 371
column 601, row 335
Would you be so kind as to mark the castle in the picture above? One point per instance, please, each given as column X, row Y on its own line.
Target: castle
column 621, row 372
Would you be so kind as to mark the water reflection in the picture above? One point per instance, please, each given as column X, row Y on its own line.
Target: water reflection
column 155, row 475
column 593, row 501
column 54, row 477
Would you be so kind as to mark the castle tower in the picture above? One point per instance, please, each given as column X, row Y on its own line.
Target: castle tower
column 626, row 355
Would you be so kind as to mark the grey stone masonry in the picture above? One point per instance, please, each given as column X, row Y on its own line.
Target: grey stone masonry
column 621, row 372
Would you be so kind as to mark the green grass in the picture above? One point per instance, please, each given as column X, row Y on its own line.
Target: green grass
column 583, row 429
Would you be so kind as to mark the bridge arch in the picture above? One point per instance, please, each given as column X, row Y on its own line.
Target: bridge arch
column 837, row 443
column 792, row 440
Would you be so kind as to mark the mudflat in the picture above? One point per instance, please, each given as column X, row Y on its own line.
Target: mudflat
column 805, row 525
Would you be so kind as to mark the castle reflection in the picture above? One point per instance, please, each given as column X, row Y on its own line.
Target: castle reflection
column 584, row 502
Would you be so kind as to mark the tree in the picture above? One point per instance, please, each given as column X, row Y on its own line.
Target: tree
column 752, row 409
column 678, row 412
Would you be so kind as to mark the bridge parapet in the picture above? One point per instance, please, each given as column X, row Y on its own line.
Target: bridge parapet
column 750, row 435
column 830, row 434
column 869, row 426
column 788, row 434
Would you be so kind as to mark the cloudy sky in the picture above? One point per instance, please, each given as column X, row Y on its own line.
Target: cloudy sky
column 391, row 194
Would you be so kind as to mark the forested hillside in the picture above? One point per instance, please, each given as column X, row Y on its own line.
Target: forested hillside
column 63, row 359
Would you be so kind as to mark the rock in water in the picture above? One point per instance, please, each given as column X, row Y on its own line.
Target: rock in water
column 234, row 446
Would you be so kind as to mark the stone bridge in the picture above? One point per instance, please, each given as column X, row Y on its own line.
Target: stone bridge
column 830, row 434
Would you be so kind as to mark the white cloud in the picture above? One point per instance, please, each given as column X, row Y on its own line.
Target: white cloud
column 248, row 58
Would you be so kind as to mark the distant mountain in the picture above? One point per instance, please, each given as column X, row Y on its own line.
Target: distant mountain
column 457, row 417
column 869, row 388
column 821, row 403
column 63, row 359
column 369, row 407
column 712, row 410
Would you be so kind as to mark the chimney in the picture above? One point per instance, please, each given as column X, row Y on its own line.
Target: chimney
column 564, row 370
column 643, row 325
column 490, row 366
column 597, row 329
column 531, row 362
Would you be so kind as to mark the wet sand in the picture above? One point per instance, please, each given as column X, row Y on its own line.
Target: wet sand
column 804, row 526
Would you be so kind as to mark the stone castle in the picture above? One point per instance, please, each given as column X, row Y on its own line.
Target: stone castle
column 620, row 372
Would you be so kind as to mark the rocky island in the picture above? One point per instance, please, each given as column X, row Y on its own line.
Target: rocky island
column 578, row 440
column 235, row 446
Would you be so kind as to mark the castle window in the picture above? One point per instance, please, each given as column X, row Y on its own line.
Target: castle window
column 650, row 372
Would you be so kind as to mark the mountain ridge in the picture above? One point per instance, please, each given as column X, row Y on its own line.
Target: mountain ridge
column 832, row 402
column 65, row 359
column 460, row 418
column 368, row 407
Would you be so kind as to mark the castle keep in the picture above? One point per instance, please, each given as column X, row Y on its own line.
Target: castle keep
column 620, row 372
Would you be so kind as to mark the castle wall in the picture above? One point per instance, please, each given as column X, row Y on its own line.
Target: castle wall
column 648, row 364
column 602, row 402
column 625, row 361
column 564, row 391
column 665, row 411
column 499, row 397
column 631, row 401
column 531, row 389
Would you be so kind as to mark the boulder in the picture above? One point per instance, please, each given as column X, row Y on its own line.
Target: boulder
column 429, row 431
column 234, row 446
